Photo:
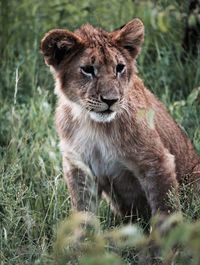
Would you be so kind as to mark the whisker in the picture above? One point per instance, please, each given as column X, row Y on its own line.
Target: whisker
column 126, row 110
column 127, row 104
column 93, row 100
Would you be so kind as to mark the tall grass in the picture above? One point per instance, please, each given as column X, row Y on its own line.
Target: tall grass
column 33, row 197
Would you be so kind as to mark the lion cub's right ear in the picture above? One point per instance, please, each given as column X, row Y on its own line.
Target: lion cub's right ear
column 57, row 44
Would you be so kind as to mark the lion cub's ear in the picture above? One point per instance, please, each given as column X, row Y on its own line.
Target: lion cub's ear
column 130, row 36
column 57, row 44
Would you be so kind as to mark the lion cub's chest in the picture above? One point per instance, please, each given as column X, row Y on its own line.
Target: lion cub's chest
column 97, row 151
column 103, row 160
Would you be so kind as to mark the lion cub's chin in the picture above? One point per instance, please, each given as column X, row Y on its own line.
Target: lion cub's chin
column 102, row 117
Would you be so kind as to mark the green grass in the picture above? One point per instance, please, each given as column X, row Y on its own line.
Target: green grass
column 33, row 196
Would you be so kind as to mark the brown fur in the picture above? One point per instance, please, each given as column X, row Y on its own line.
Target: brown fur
column 135, row 157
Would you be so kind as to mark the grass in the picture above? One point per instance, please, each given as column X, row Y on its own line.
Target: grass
column 33, row 196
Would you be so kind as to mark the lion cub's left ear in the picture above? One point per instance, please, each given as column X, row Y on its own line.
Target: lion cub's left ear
column 130, row 36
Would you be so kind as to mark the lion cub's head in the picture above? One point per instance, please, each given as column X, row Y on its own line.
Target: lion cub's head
column 93, row 67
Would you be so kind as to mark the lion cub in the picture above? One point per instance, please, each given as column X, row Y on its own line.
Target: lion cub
column 116, row 137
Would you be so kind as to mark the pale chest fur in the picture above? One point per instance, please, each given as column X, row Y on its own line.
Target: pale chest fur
column 96, row 150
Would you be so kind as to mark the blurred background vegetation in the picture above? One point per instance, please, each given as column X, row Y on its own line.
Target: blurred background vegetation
column 33, row 197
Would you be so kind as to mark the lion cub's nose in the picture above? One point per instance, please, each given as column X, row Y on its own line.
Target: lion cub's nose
column 109, row 101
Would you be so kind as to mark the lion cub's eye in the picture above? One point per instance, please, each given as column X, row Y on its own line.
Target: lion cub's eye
column 120, row 68
column 88, row 70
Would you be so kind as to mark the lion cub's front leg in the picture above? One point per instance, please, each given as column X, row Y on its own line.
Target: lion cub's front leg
column 158, row 178
column 82, row 186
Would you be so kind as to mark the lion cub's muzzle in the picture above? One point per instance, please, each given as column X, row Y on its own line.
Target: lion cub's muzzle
column 103, row 109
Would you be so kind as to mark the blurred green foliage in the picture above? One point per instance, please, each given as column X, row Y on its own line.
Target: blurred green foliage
column 33, row 197
column 80, row 241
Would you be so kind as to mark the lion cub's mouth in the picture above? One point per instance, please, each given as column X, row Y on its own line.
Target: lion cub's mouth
column 102, row 116
column 108, row 111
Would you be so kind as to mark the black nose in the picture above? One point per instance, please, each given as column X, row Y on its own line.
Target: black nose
column 109, row 101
